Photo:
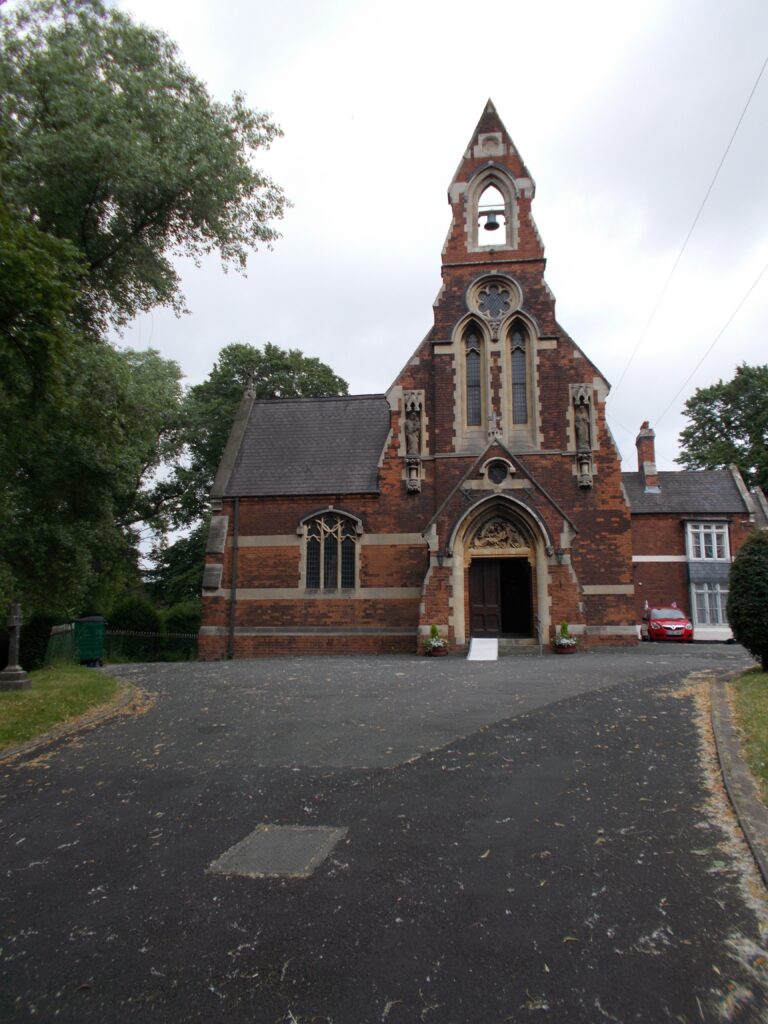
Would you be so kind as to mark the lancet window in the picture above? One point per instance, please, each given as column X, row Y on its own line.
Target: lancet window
column 473, row 377
column 518, row 342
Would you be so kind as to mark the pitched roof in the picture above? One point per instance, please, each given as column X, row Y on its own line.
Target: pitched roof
column 687, row 492
column 297, row 446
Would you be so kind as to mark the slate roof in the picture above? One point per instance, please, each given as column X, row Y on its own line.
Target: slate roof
column 297, row 446
column 687, row 492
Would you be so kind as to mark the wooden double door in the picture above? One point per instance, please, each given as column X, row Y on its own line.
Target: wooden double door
column 500, row 597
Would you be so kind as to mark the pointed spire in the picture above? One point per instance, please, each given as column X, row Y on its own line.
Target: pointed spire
column 490, row 140
column 491, row 161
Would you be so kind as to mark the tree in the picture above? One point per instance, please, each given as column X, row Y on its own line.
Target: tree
column 748, row 596
column 114, row 159
column 729, row 424
column 207, row 413
column 38, row 298
column 74, row 468
column 109, row 141
column 176, row 575
column 37, row 302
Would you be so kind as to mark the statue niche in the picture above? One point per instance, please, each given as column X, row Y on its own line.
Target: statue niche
column 413, row 403
column 413, row 433
column 581, row 396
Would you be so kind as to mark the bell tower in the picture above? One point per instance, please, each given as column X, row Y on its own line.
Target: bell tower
column 490, row 198
column 494, row 308
column 518, row 441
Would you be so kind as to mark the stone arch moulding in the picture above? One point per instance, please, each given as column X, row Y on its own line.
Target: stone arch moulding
column 520, row 339
column 492, row 175
column 539, row 552
column 462, row 528
column 471, row 437
column 492, row 470
column 332, row 510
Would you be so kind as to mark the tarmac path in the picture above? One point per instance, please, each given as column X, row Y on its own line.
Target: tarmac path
column 525, row 840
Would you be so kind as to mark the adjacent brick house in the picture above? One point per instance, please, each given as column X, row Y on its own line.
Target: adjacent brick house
column 686, row 529
column 482, row 494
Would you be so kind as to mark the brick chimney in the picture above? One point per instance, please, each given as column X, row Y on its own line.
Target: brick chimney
column 646, row 457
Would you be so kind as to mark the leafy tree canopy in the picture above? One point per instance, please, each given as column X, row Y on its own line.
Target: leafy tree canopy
column 114, row 159
column 37, row 300
column 729, row 424
column 176, row 575
column 748, row 596
column 73, row 468
column 109, row 141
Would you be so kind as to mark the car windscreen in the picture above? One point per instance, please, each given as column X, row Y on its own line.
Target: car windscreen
column 667, row 613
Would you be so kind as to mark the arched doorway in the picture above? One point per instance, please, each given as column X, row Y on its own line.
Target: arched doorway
column 500, row 578
column 501, row 553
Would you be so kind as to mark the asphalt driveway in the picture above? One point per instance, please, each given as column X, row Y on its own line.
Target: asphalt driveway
column 521, row 840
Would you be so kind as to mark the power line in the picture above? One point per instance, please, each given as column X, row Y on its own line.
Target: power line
column 720, row 333
column 690, row 232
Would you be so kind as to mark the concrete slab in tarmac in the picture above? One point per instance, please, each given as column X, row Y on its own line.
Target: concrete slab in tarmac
column 526, row 840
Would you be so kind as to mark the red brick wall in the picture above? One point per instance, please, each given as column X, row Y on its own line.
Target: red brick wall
column 600, row 554
column 664, row 582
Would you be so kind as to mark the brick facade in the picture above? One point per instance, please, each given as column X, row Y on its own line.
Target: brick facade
column 668, row 511
column 492, row 501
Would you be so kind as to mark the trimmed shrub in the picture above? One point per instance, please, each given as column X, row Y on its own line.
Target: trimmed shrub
column 135, row 614
column 748, row 596
column 183, row 617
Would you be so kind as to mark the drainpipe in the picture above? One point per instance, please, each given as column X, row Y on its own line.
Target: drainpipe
column 233, row 582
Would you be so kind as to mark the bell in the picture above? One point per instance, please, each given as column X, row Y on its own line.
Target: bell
column 491, row 224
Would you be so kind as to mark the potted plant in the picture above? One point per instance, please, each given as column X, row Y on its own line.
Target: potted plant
column 562, row 641
column 435, row 645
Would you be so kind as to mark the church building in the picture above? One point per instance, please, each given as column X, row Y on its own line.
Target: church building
column 481, row 494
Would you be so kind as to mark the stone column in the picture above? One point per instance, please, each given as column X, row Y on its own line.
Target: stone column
column 13, row 676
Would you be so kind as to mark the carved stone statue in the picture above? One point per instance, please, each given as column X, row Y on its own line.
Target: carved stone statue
column 582, row 425
column 413, row 433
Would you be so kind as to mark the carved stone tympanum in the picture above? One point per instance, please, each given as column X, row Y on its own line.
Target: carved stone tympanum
column 497, row 534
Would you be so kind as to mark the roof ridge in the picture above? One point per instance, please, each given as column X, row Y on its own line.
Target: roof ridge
column 319, row 398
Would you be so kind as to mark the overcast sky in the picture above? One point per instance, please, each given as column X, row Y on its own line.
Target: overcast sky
column 622, row 113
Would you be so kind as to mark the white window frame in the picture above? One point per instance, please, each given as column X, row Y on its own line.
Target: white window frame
column 715, row 599
column 703, row 535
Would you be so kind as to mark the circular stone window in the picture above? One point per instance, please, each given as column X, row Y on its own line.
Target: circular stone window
column 497, row 472
column 494, row 298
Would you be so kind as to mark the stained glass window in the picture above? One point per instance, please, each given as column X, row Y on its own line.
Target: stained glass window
column 328, row 536
column 474, row 394
column 493, row 300
column 519, row 377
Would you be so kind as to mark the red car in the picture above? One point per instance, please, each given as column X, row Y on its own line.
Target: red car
column 666, row 624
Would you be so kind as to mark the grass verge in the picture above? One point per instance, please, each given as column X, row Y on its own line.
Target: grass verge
column 752, row 718
column 57, row 694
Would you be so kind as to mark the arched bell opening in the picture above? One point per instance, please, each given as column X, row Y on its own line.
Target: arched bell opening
column 492, row 209
column 491, row 217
